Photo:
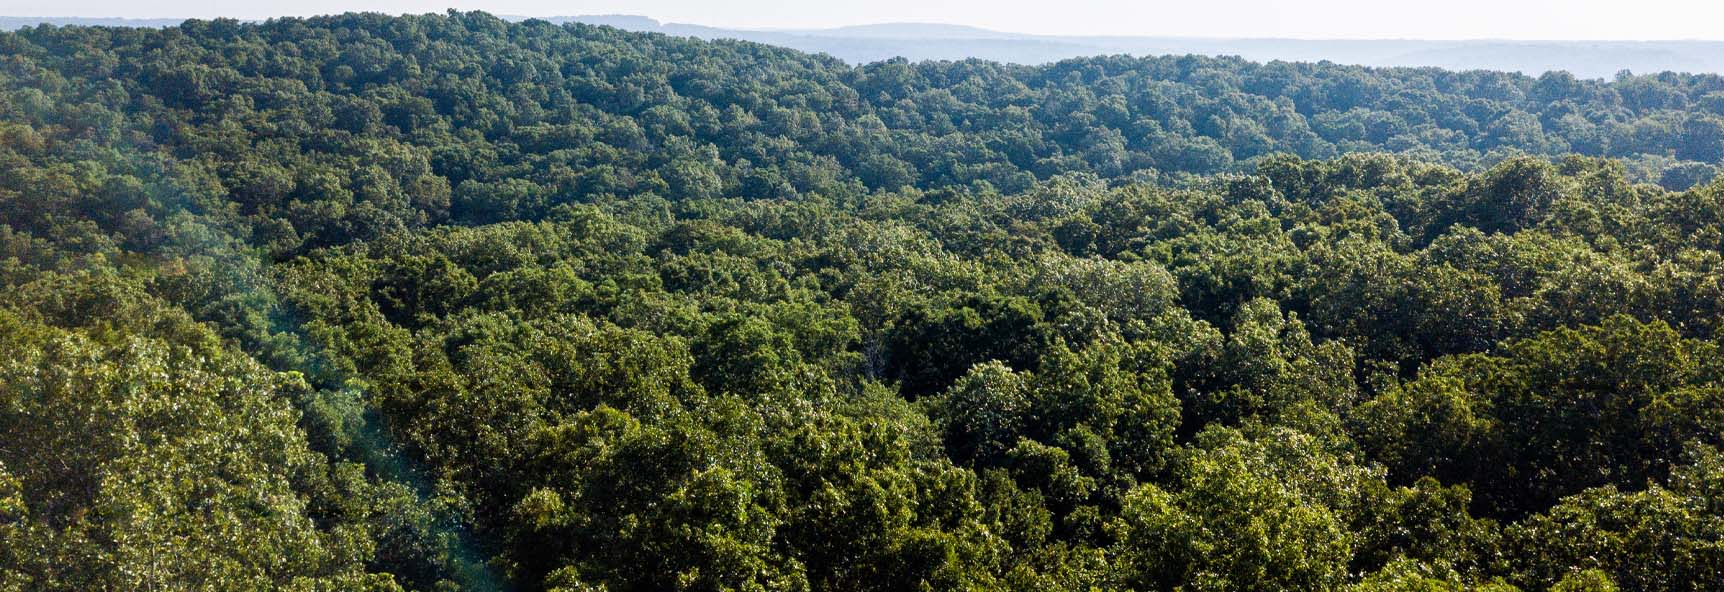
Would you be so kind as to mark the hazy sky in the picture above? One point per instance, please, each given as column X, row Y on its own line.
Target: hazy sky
column 1370, row 19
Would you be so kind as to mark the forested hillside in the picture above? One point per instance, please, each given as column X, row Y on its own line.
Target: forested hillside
column 451, row 303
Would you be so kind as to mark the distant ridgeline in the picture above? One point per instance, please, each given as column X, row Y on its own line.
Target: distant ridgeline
column 1109, row 115
column 13, row 23
column 872, row 43
column 453, row 302
column 917, row 42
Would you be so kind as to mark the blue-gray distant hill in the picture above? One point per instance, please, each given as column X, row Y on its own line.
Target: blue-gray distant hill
column 926, row 41
column 921, row 41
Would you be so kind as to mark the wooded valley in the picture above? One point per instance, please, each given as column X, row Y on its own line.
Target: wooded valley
column 445, row 302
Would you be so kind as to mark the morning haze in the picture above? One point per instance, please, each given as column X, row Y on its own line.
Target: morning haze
column 1324, row 19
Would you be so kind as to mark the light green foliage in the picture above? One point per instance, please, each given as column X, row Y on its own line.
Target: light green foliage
column 137, row 462
column 1262, row 514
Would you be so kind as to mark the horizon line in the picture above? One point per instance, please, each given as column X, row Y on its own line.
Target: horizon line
column 813, row 31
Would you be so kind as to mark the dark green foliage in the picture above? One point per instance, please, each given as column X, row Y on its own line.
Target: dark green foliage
column 931, row 349
column 442, row 302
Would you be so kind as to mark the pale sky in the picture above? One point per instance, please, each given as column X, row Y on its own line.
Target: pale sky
column 1351, row 19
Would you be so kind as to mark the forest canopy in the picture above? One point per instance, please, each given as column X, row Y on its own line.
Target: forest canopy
column 445, row 302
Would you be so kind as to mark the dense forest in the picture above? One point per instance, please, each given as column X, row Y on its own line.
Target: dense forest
column 444, row 302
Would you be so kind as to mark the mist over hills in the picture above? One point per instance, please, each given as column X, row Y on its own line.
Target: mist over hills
column 859, row 44
column 924, row 41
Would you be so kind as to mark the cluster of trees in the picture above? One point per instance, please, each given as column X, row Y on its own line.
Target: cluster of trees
column 444, row 302
column 329, row 129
